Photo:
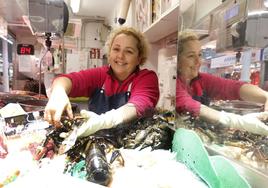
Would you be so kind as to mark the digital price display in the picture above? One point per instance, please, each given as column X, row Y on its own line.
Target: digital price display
column 25, row 49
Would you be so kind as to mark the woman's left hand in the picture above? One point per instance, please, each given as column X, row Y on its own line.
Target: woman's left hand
column 95, row 122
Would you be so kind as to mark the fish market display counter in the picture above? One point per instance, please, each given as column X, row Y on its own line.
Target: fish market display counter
column 248, row 152
column 246, row 160
column 28, row 158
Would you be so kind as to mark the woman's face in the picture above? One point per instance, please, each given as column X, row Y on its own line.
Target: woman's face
column 124, row 56
column 190, row 59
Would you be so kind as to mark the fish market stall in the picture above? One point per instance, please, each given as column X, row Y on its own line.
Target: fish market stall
column 37, row 155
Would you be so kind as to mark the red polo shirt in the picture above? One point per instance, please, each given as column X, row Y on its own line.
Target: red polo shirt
column 144, row 89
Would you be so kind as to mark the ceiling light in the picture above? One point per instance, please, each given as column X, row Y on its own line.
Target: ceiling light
column 75, row 5
column 6, row 39
column 265, row 2
column 257, row 13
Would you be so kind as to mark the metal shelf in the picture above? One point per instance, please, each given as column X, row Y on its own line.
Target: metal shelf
column 164, row 26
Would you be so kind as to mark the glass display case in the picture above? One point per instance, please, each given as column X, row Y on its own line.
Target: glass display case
column 247, row 151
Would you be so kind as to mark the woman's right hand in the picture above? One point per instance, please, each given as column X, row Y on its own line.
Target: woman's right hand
column 57, row 104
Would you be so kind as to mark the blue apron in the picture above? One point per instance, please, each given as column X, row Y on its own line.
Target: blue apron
column 200, row 95
column 203, row 99
column 101, row 103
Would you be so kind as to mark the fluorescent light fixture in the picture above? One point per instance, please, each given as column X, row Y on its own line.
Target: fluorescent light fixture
column 75, row 5
column 9, row 41
column 254, row 13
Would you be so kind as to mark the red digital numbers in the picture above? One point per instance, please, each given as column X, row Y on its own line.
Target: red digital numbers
column 25, row 49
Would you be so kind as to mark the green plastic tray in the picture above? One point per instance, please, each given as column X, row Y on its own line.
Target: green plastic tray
column 216, row 171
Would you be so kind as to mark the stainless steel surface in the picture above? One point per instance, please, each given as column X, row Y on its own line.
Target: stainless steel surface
column 6, row 98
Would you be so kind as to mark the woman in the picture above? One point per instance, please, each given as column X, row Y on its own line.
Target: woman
column 118, row 93
column 194, row 90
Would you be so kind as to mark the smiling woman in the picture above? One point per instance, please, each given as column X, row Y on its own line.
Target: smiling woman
column 195, row 90
column 126, row 51
column 118, row 93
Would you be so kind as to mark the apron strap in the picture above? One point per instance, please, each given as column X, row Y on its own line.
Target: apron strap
column 102, row 88
column 129, row 89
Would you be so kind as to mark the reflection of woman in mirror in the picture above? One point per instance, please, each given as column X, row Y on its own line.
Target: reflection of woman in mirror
column 195, row 89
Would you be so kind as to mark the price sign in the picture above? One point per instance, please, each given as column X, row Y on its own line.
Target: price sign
column 25, row 49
